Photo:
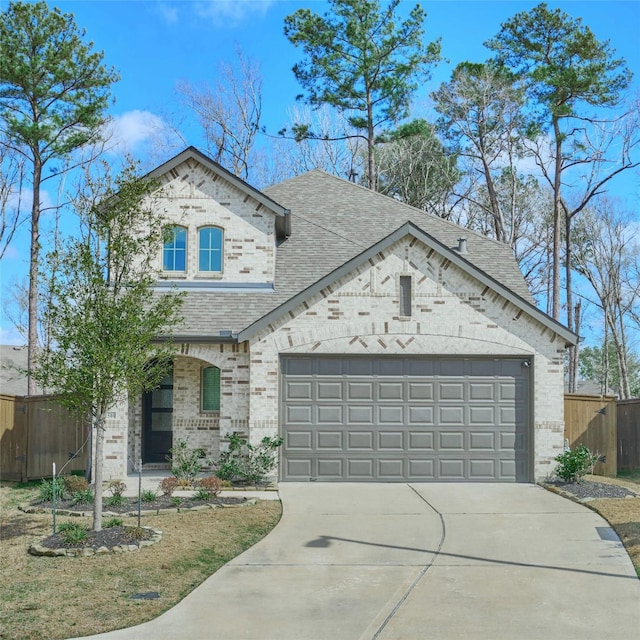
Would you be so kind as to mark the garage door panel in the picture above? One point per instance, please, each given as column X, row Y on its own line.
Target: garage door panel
column 359, row 391
column 391, row 441
column 451, row 415
column 299, row 414
column 390, row 391
column 329, row 390
column 330, row 469
column 390, row 415
column 360, row 468
column 482, row 441
column 330, row 414
column 482, row 415
column 451, row 469
column 298, row 391
column 299, row 440
column 391, row 469
column 421, row 440
column 420, row 415
column 451, row 391
column 350, row 418
column 360, row 415
column 330, row 440
column 360, row 440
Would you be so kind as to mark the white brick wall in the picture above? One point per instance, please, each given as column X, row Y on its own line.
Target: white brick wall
column 452, row 314
column 193, row 196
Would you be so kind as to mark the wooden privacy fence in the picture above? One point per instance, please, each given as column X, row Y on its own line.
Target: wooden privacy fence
column 35, row 432
column 628, row 434
column 591, row 421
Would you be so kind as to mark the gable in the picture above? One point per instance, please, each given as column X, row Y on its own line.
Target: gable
column 436, row 269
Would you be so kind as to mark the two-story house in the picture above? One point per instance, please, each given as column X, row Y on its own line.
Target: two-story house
column 381, row 342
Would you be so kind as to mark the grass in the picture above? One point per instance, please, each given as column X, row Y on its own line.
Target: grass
column 54, row 598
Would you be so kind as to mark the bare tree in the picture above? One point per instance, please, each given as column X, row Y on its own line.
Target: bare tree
column 604, row 251
column 12, row 176
column 229, row 112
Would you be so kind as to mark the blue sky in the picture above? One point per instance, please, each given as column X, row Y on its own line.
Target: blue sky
column 157, row 43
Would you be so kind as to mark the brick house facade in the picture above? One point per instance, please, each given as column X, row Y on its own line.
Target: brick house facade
column 382, row 343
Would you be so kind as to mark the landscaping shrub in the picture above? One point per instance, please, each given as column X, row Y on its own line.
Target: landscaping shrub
column 85, row 496
column 245, row 462
column 149, row 495
column 186, row 463
column 576, row 463
column 211, row 484
column 117, row 488
column 45, row 490
column 112, row 522
column 75, row 484
column 73, row 532
column 168, row 486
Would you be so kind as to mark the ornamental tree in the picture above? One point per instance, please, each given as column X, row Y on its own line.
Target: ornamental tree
column 103, row 316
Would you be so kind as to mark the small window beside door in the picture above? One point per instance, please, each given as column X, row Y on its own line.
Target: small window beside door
column 210, row 389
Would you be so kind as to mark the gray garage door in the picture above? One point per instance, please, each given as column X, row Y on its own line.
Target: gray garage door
column 404, row 419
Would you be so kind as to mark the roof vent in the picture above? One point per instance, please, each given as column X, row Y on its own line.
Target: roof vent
column 462, row 245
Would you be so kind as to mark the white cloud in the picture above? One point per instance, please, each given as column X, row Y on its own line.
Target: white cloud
column 168, row 12
column 231, row 10
column 129, row 130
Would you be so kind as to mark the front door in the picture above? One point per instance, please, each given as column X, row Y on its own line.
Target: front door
column 157, row 436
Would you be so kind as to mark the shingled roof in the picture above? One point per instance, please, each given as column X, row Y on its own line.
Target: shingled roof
column 332, row 222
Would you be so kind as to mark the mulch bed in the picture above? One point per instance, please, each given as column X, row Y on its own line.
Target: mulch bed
column 131, row 504
column 588, row 489
column 111, row 537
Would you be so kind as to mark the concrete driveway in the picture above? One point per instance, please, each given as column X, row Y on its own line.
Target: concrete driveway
column 417, row 562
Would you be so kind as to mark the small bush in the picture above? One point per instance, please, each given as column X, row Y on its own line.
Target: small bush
column 201, row 494
column 176, row 502
column 186, row 463
column 73, row 532
column 211, row 484
column 115, row 500
column 574, row 464
column 117, row 488
column 112, row 522
column 168, row 486
column 246, row 462
column 45, row 490
column 83, row 497
column 137, row 533
column 75, row 484
column 149, row 495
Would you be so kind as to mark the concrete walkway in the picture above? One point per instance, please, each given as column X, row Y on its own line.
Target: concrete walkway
column 417, row 562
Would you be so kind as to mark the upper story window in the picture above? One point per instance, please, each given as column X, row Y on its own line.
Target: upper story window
column 174, row 253
column 210, row 242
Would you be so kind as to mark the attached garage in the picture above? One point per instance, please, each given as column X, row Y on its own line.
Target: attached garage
column 395, row 419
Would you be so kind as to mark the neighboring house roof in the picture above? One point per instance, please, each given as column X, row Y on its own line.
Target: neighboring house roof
column 334, row 221
column 13, row 363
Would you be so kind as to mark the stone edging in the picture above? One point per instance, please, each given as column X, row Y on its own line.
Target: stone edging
column 85, row 552
column 29, row 508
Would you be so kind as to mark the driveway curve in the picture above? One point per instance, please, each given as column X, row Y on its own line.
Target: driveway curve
column 416, row 561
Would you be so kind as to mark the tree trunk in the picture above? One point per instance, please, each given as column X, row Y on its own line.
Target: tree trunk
column 557, row 174
column 98, row 468
column 371, row 164
column 34, row 262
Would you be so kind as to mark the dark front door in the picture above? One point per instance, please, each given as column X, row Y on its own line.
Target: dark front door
column 158, row 418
